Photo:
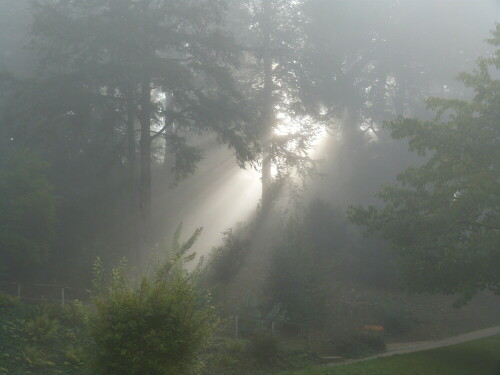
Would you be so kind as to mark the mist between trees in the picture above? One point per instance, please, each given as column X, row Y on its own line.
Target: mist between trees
column 270, row 124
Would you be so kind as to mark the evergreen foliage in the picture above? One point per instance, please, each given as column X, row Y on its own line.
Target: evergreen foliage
column 27, row 214
column 273, row 66
column 122, row 87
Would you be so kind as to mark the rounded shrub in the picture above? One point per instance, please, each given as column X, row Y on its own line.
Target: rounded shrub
column 158, row 327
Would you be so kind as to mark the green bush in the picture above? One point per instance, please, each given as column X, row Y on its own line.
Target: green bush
column 264, row 348
column 226, row 362
column 42, row 329
column 36, row 357
column 226, row 262
column 74, row 314
column 75, row 355
column 236, row 347
column 397, row 320
column 359, row 345
column 50, row 309
column 158, row 327
column 7, row 301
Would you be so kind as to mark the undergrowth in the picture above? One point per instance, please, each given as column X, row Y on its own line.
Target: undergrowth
column 47, row 340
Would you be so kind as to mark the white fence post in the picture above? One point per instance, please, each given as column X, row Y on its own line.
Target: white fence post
column 308, row 338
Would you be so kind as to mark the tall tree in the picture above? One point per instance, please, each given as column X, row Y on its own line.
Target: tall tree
column 273, row 64
column 444, row 217
column 116, row 63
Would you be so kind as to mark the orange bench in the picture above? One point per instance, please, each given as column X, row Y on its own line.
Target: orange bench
column 374, row 328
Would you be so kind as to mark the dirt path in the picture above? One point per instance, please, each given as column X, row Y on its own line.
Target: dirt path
column 412, row 347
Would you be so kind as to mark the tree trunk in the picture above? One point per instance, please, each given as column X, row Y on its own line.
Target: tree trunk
column 131, row 143
column 399, row 99
column 268, row 107
column 133, row 183
column 145, row 142
column 167, row 124
column 145, row 161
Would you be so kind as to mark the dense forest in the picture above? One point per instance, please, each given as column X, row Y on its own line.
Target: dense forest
column 301, row 161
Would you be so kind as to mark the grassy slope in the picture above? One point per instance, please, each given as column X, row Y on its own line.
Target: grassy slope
column 481, row 357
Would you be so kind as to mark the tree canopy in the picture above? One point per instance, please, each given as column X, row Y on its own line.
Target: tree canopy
column 444, row 216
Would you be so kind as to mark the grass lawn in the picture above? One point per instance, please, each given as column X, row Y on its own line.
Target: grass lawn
column 480, row 357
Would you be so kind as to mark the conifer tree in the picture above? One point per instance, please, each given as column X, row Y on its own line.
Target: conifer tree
column 157, row 69
column 287, row 123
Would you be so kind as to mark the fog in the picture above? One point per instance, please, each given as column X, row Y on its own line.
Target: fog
column 339, row 156
column 220, row 195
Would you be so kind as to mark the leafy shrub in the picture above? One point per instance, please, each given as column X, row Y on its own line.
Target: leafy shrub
column 227, row 361
column 264, row 348
column 75, row 355
column 36, row 357
column 70, row 336
column 51, row 310
column 235, row 346
column 42, row 329
column 74, row 315
column 7, row 301
column 359, row 345
column 225, row 356
column 227, row 260
column 158, row 327
column 397, row 320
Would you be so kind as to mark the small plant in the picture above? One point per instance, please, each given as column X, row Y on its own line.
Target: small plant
column 397, row 320
column 74, row 315
column 75, row 355
column 36, row 358
column 42, row 329
column 359, row 345
column 70, row 336
column 227, row 361
column 264, row 348
column 7, row 301
column 51, row 310
column 235, row 346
